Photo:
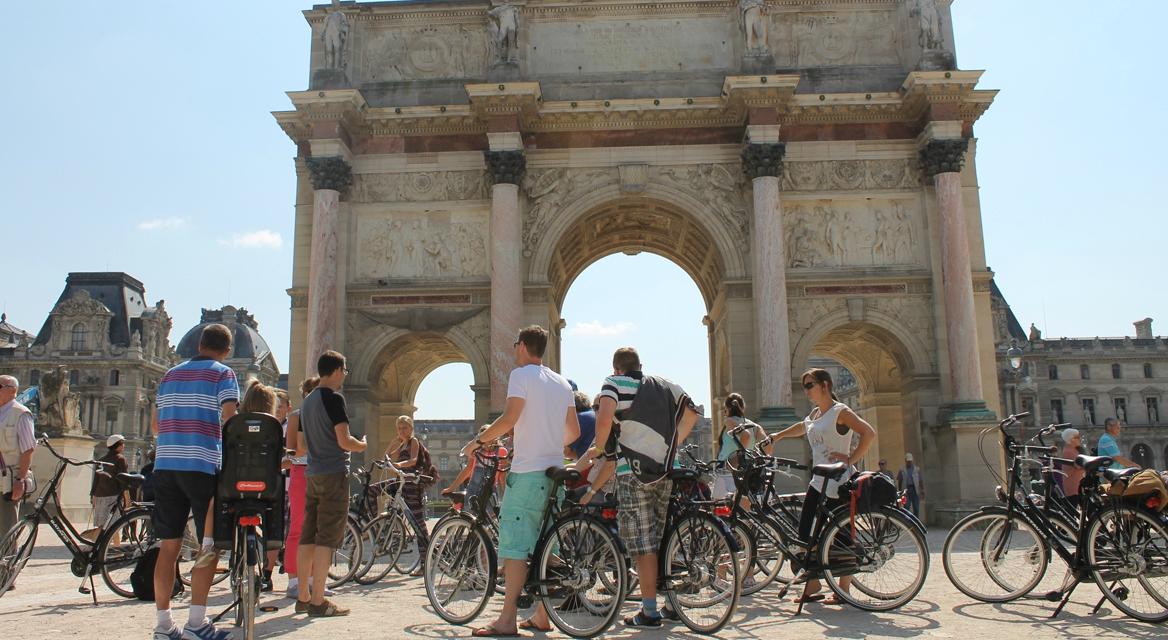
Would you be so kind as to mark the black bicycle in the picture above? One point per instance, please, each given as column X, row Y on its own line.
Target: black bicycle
column 113, row 554
column 578, row 568
column 1001, row 552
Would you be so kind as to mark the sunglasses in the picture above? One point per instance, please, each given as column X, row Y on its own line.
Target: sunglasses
column 808, row 385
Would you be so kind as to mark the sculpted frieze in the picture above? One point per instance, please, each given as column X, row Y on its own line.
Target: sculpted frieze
column 720, row 186
column 420, row 186
column 549, row 191
column 847, row 175
column 859, row 233
column 824, row 39
column 439, row 51
column 421, row 246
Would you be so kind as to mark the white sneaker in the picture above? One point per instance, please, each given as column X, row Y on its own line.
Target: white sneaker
column 173, row 634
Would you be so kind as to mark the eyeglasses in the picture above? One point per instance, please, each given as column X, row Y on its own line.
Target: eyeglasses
column 808, row 385
column 346, row 370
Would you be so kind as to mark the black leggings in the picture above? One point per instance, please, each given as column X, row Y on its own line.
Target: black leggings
column 811, row 509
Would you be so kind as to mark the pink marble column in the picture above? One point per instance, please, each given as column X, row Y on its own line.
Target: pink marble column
column 943, row 160
column 506, row 169
column 764, row 164
column 330, row 176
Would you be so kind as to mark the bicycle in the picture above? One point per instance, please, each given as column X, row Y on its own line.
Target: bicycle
column 577, row 567
column 391, row 531
column 115, row 561
column 1000, row 553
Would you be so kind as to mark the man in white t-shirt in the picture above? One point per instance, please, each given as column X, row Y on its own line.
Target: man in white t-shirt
column 542, row 412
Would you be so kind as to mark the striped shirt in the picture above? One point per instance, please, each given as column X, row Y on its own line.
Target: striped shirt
column 190, row 434
column 622, row 389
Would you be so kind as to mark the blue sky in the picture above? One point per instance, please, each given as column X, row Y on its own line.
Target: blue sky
column 140, row 140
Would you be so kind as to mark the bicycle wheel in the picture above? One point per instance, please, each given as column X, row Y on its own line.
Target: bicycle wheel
column 702, row 579
column 383, row 543
column 1127, row 550
column 191, row 544
column 880, row 553
column 135, row 534
column 768, row 557
column 347, row 557
column 246, row 580
column 575, row 568
column 745, row 553
column 460, row 570
column 15, row 548
column 994, row 559
column 411, row 548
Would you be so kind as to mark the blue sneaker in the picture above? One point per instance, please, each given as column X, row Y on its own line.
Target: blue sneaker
column 205, row 632
column 173, row 634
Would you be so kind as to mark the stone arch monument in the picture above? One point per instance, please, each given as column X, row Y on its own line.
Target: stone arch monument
column 810, row 166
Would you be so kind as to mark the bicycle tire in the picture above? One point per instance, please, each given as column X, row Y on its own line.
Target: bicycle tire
column 460, row 558
column 1127, row 552
column 745, row 553
column 879, row 531
column 994, row 560
column 384, row 544
column 412, row 548
column 701, row 572
column 768, row 557
column 578, row 601
column 15, row 549
column 346, row 559
column 135, row 529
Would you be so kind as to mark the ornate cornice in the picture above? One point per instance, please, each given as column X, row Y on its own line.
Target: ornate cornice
column 944, row 156
column 505, row 167
column 763, row 160
column 330, row 172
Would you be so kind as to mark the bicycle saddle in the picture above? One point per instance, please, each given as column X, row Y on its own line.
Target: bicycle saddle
column 457, row 496
column 683, row 474
column 1091, row 464
column 831, row 471
column 561, row 474
column 131, row 479
column 1119, row 474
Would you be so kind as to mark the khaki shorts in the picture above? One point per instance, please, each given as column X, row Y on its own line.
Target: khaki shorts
column 326, row 507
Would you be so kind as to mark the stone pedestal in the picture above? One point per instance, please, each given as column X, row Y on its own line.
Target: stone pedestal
column 504, row 72
column 329, row 177
column 763, row 163
column 506, row 252
column 77, row 481
column 324, row 79
column 962, row 484
column 758, row 63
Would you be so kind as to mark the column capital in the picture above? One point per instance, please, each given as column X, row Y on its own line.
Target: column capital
column 505, row 167
column 943, row 156
column 329, row 172
column 763, row 160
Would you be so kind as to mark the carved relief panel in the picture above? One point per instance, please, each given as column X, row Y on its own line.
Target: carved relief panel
column 430, row 245
column 852, row 233
column 424, row 52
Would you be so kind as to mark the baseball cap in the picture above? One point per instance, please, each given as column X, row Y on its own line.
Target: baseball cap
column 908, row 457
column 114, row 439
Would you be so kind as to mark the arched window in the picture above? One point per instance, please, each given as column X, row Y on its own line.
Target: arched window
column 1116, row 371
column 80, row 334
column 115, row 378
column 1084, row 372
column 1052, row 372
column 1142, row 455
column 1147, row 369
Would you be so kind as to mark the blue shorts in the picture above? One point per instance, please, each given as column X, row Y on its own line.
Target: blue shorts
column 521, row 515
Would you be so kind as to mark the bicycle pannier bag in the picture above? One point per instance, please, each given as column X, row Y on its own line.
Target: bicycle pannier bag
column 1145, row 484
column 873, row 490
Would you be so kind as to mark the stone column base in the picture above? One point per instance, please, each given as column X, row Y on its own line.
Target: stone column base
column 962, row 483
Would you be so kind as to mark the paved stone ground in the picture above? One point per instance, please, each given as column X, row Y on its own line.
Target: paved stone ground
column 46, row 604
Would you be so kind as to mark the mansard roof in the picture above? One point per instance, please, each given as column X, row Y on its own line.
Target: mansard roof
column 122, row 294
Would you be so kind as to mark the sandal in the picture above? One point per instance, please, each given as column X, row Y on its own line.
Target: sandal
column 489, row 632
column 834, row 601
column 811, row 597
column 326, row 609
column 529, row 625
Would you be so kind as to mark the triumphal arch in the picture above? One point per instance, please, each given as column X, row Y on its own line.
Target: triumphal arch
column 809, row 163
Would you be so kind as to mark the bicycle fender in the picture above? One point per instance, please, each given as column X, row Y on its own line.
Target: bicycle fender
column 908, row 515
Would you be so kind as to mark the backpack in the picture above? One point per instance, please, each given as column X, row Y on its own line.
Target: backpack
column 142, row 578
column 426, row 466
column 647, row 433
column 872, row 491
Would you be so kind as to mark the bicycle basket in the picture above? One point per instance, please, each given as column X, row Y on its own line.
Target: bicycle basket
column 482, row 482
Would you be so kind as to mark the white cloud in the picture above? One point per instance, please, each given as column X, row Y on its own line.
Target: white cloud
column 597, row 329
column 262, row 239
column 162, row 224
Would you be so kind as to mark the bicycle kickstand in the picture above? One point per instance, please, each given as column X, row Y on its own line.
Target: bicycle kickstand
column 224, row 612
column 91, row 589
column 1102, row 599
column 1066, row 598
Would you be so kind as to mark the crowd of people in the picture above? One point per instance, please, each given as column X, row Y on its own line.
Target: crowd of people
column 549, row 422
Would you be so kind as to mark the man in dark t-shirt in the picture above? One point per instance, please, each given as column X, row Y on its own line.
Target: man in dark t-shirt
column 325, row 424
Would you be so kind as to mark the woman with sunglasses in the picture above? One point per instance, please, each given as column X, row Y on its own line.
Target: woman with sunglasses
column 829, row 429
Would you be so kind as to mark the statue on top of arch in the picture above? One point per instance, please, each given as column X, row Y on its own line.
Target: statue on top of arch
column 335, row 35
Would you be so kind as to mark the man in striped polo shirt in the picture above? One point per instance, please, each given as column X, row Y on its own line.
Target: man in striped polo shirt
column 194, row 400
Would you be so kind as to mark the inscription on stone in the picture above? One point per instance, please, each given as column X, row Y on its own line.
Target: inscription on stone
column 643, row 44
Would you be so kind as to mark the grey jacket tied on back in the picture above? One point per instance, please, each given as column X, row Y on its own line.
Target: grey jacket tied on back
column 647, row 433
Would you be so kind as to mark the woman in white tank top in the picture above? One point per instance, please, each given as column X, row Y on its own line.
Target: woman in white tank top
column 829, row 429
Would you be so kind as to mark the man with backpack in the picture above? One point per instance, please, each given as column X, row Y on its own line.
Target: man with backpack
column 655, row 417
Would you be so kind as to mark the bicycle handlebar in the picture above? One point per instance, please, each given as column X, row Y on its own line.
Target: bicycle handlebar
column 44, row 439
